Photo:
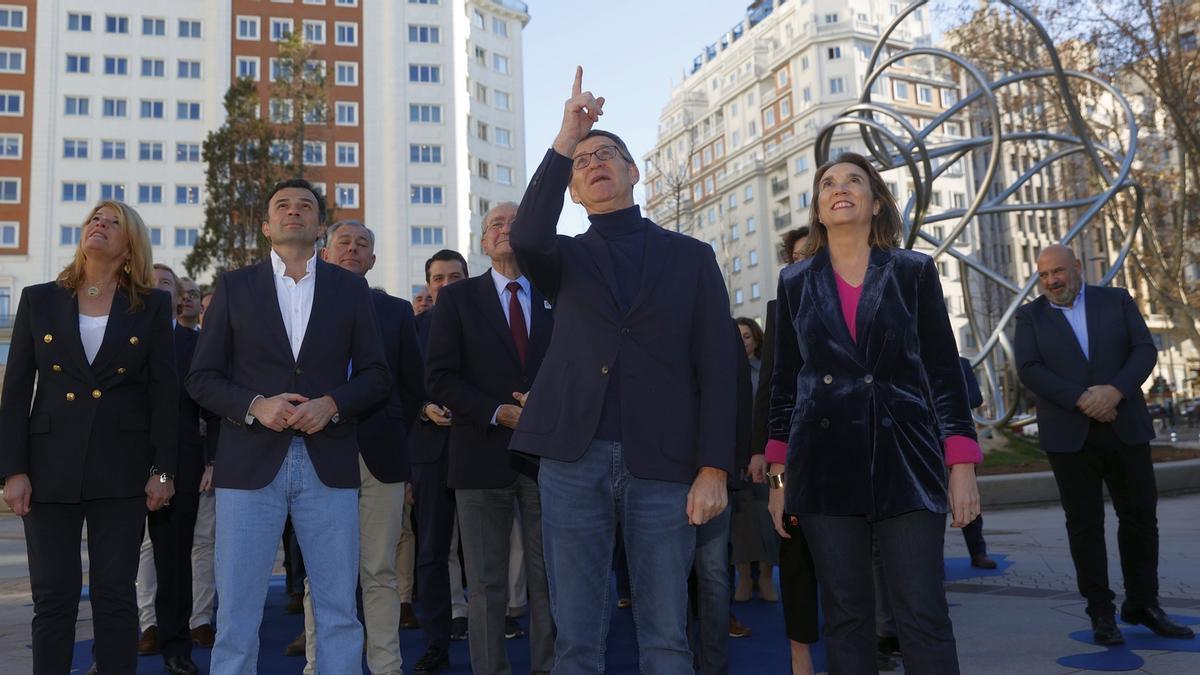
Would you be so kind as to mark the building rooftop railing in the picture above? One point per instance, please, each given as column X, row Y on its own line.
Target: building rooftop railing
column 514, row 5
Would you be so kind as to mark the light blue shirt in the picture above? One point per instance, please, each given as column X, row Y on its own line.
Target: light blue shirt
column 1076, row 315
column 523, row 296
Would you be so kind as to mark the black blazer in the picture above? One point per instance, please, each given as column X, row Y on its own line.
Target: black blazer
column 678, row 383
column 472, row 368
column 1051, row 363
column 426, row 440
column 94, row 430
column 762, row 395
column 383, row 427
column 244, row 352
column 865, row 422
column 192, row 451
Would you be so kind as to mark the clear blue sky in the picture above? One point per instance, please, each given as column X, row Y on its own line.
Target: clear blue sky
column 631, row 53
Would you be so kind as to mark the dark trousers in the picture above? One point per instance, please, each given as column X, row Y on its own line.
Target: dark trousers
column 433, row 508
column 1129, row 473
column 797, row 585
column 973, row 535
column 52, row 533
column 911, row 549
column 171, row 530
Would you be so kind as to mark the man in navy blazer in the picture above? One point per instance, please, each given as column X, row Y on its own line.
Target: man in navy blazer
column 290, row 357
column 1085, row 351
column 488, row 338
column 633, row 409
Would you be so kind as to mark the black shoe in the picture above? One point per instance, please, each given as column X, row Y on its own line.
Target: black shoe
column 1105, row 631
column 512, row 629
column 1157, row 620
column 181, row 665
column 458, row 628
column 408, row 618
column 983, row 562
column 889, row 646
column 434, row 659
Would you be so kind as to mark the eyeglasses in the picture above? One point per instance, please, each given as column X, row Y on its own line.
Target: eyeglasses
column 602, row 154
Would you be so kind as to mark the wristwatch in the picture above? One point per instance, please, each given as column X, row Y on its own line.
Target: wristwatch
column 775, row 480
column 163, row 476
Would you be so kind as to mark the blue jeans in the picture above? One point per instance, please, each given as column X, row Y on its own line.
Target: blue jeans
column 582, row 503
column 712, row 594
column 249, row 526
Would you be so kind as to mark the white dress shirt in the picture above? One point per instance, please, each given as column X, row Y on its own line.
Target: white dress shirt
column 523, row 297
column 295, row 305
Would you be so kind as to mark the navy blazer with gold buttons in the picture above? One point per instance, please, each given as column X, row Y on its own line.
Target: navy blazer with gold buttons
column 89, row 431
column 865, row 421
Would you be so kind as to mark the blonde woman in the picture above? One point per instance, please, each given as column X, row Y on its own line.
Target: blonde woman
column 96, row 440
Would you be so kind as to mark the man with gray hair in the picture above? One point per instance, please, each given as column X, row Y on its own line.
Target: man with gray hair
column 382, row 461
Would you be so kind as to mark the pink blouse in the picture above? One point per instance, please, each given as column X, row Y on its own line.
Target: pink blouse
column 955, row 449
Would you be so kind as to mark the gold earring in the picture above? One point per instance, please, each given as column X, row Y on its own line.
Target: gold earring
column 126, row 268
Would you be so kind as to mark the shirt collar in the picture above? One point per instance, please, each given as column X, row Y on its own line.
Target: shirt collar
column 502, row 282
column 1078, row 301
column 280, row 267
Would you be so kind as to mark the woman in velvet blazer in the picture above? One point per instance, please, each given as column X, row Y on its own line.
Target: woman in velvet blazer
column 869, row 406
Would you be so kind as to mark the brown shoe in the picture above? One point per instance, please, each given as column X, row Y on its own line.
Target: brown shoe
column 408, row 618
column 736, row 629
column 148, row 643
column 297, row 647
column 204, row 636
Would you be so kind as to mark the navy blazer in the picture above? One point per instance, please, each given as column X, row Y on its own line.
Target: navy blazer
column 1051, row 363
column 383, row 426
column 89, row 431
column 472, row 368
column 865, row 421
column 244, row 352
column 192, row 451
column 426, row 440
column 678, row 383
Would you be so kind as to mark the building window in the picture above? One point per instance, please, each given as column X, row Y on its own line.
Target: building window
column 150, row 194
column 423, row 112
column 12, row 61
column 785, row 109
column 427, row 236
column 154, row 68
column 925, row 94
column 346, row 33
column 424, row 153
column 314, row 153
column 500, row 63
column 354, row 3
column 152, row 26
column 749, row 193
column 187, row 152
column 8, row 239
column 755, row 293
column 74, row 192
column 347, row 195
column 116, row 24
column 504, row 174
column 247, row 66
column 424, row 2
column 115, row 107
column 112, row 149
column 189, row 28
column 10, row 190
column 314, row 32
column 425, row 194
column 247, row 27
column 751, row 225
column 733, row 232
column 81, row 23
column 156, row 236
column 68, row 235
column 480, row 92
column 738, row 298
column 187, row 110
column 503, row 137
column 837, row 85
column 753, row 256
column 499, row 26
column 477, row 18
column 281, row 152
column 75, row 148
column 424, row 73
column 280, row 29
column 115, row 191
column 834, row 53
column 185, row 237
column 501, row 99
column 188, row 70
column 737, row 263
column 187, row 194
column 831, row 18
column 11, row 102
column 150, row 151
column 346, row 73
column 10, row 146
column 484, row 169
column 116, row 65
column 347, row 154
column 899, row 89
column 76, row 106
column 153, row 110
column 424, row 34
column 768, row 118
column 346, row 113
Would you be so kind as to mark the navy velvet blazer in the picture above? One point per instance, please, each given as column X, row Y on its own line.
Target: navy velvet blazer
column 244, row 352
column 383, row 426
column 865, row 422
column 678, row 377
column 89, row 431
column 1051, row 363
column 472, row 367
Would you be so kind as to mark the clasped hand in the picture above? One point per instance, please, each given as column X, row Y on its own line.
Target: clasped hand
column 1099, row 402
column 294, row 411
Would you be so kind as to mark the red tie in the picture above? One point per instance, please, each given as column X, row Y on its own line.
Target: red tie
column 516, row 321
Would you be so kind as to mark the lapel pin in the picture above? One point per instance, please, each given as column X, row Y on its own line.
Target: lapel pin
column 547, row 304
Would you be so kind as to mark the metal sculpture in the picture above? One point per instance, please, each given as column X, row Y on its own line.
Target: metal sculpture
column 912, row 150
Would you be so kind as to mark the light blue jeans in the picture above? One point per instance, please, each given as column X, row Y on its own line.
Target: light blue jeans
column 582, row 502
column 249, row 527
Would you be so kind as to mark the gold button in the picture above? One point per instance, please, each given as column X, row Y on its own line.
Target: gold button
column 121, row 370
column 70, row 396
column 56, row 368
column 133, row 340
column 47, row 338
column 96, row 393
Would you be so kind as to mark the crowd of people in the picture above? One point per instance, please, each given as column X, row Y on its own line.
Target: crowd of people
column 586, row 404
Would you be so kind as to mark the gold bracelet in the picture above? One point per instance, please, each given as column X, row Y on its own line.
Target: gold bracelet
column 775, row 480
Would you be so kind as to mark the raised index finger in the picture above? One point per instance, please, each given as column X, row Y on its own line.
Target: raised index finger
column 577, row 88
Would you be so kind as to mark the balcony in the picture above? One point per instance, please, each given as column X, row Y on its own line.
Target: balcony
column 779, row 186
column 783, row 221
column 512, row 5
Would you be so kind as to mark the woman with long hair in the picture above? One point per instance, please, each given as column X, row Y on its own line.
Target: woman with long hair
column 871, row 434
column 95, row 442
